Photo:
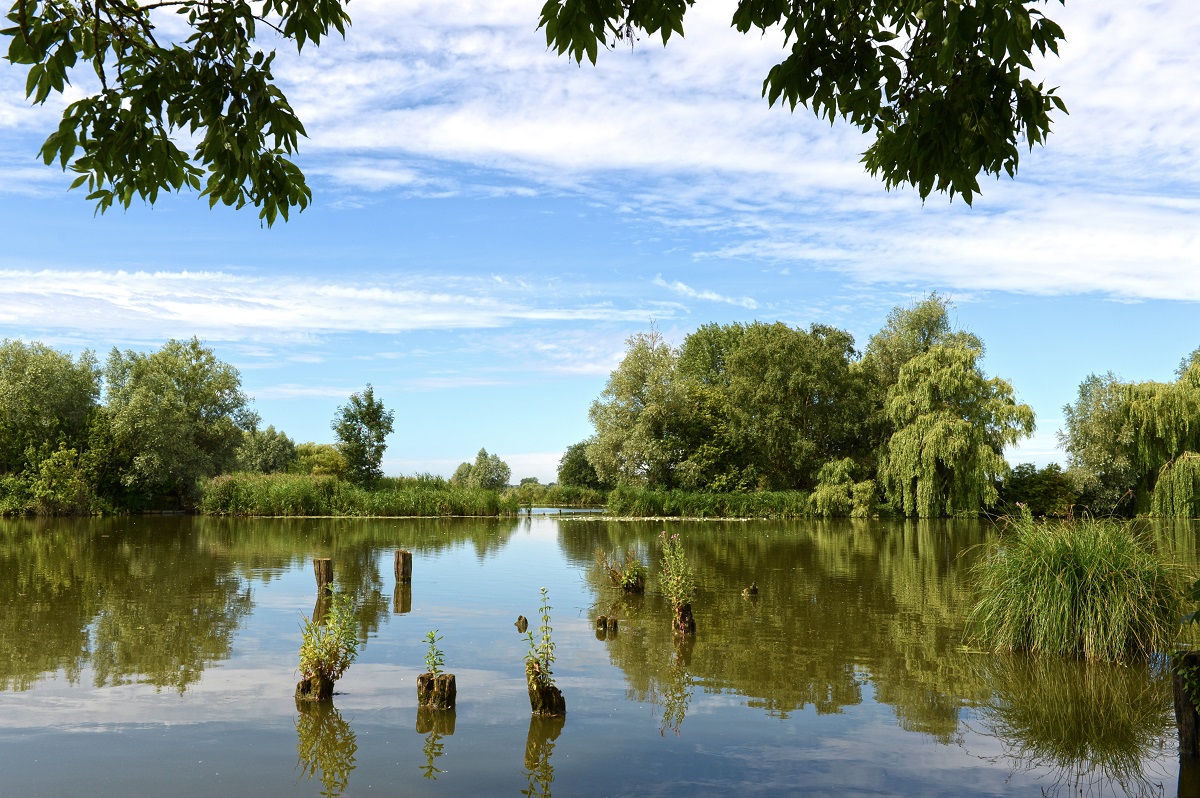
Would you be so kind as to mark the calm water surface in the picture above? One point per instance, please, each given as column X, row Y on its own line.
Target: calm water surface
column 157, row 656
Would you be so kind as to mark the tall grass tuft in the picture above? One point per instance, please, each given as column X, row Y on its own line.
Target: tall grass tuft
column 1094, row 589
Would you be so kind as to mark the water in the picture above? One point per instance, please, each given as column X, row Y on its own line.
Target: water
column 157, row 656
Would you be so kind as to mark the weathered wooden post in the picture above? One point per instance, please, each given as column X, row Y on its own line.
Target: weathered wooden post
column 323, row 568
column 436, row 692
column 402, row 599
column 403, row 566
column 522, row 624
column 1185, row 668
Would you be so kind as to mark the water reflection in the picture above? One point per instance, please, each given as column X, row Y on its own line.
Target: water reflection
column 435, row 724
column 1091, row 729
column 326, row 745
column 539, row 745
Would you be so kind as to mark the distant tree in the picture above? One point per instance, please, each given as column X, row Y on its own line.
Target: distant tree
column 1045, row 492
column 46, row 401
column 462, row 475
column 319, row 459
column 489, row 472
column 575, row 470
column 265, row 451
column 362, row 426
column 177, row 414
column 951, row 424
column 529, row 481
column 637, row 416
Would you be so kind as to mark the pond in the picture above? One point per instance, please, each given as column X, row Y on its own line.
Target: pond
column 154, row 656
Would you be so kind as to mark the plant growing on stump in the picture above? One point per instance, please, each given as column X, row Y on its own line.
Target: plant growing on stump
column 327, row 649
column 624, row 571
column 544, row 697
column 678, row 582
column 435, row 689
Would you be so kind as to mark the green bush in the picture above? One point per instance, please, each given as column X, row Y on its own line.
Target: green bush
column 646, row 503
column 1094, row 589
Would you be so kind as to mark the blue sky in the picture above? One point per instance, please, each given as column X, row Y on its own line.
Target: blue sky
column 491, row 222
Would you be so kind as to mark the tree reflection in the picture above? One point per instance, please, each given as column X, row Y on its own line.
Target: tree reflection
column 1091, row 728
column 676, row 689
column 326, row 745
column 539, row 745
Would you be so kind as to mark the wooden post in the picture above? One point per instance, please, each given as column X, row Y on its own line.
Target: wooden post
column 1186, row 717
column 402, row 599
column 436, row 692
column 323, row 568
column 403, row 566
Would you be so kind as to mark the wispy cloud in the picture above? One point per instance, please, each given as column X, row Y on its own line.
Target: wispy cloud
column 709, row 296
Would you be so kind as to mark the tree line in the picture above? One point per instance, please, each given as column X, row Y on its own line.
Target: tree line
column 143, row 430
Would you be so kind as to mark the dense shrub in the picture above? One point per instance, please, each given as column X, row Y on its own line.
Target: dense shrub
column 1094, row 589
column 646, row 503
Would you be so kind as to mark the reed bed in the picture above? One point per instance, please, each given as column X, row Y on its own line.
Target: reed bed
column 308, row 495
column 646, row 503
column 1094, row 589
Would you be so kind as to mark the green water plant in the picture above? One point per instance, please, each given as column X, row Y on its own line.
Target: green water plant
column 326, row 649
column 678, row 582
column 1089, row 588
column 544, row 696
column 626, row 571
column 436, row 689
column 434, row 657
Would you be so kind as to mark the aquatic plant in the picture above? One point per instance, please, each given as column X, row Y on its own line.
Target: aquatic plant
column 678, row 579
column 544, row 697
column 1089, row 588
column 327, row 649
column 626, row 571
column 434, row 657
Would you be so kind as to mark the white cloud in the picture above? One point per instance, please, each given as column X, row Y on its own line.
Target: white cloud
column 710, row 296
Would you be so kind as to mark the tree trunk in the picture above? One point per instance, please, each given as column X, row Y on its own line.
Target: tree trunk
column 546, row 699
column 436, row 692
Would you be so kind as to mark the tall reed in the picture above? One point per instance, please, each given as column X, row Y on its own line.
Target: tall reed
column 1091, row 588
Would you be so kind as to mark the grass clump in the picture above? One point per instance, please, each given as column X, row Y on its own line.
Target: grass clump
column 626, row 571
column 327, row 648
column 1093, row 589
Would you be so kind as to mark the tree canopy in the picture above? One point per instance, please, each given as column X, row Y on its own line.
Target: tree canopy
column 362, row 426
column 942, row 84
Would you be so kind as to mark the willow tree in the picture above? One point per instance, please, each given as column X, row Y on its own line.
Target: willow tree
column 1125, row 438
column 951, row 426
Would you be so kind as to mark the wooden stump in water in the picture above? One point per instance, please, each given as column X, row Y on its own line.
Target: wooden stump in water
column 685, row 622
column 402, row 599
column 546, row 699
column 314, row 688
column 1186, row 717
column 602, row 627
column 637, row 586
column 522, row 624
column 436, row 692
column 323, row 568
column 403, row 566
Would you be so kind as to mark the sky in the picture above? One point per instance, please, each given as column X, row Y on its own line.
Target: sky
column 491, row 221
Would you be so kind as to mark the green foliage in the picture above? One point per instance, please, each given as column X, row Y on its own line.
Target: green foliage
column 678, row 581
column 313, row 495
column 434, row 657
column 46, row 399
column 327, row 649
column 362, row 426
column 943, row 85
column 1123, row 437
column 952, row 424
column 211, row 83
column 575, row 470
column 1094, row 589
column 60, row 486
column 265, row 451
column 838, row 494
column 177, row 416
column 319, row 459
column 540, row 656
column 1045, row 492
column 633, row 502
column 489, row 472
column 626, row 571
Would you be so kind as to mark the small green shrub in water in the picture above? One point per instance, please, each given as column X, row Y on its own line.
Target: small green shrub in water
column 626, row 571
column 1094, row 589
column 540, row 656
column 678, row 579
column 434, row 657
column 327, row 649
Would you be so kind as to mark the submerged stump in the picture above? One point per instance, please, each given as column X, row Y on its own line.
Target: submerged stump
column 1186, row 717
column 522, row 624
column 314, row 688
column 546, row 699
column 436, row 692
column 685, row 622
